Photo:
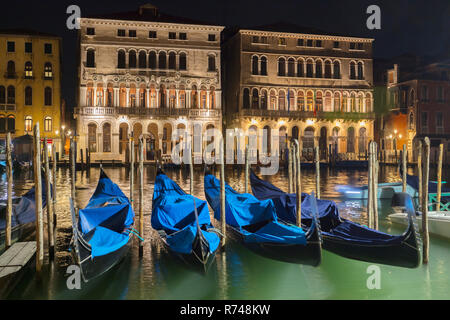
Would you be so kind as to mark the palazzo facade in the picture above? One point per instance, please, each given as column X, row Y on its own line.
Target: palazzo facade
column 317, row 88
column 145, row 73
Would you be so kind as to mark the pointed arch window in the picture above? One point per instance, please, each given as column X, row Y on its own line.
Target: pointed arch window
column 336, row 70
column 254, row 65
column 132, row 59
column 172, row 61
column 162, row 60
column 281, row 67
column 107, row 137
column 152, row 60
column 90, row 58
column 121, row 59
column 142, row 60
column 263, row 66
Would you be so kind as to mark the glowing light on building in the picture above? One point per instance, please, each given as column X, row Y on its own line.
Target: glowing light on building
column 309, row 121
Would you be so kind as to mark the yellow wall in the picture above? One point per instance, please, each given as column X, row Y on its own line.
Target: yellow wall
column 38, row 111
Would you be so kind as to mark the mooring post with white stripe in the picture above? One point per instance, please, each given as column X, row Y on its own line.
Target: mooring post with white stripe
column 298, row 184
column 404, row 168
column 246, row 168
column 370, row 187
column 290, row 163
column 9, row 179
column 375, row 185
column 38, row 198
column 54, row 184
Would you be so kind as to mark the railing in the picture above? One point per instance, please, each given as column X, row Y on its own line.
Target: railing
column 7, row 107
column 156, row 112
column 305, row 114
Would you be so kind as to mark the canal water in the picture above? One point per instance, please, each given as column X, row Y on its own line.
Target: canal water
column 237, row 273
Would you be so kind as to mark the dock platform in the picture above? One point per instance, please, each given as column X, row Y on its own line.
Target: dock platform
column 12, row 261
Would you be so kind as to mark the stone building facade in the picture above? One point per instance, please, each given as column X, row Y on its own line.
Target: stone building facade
column 308, row 85
column 145, row 73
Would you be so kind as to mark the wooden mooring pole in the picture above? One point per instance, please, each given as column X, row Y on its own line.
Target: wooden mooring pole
column 426, row 178
column 81, row 160
column 38, row 198
column 290, row 170
column 48, row 186
column 439, row 178
column 294, row 167
column 54, row 184
column 191, row 170
column 298, row 184
column 419, row 172
column 222, row 193
column 73, row 171
column 404, row 168
column 141, row 195
column 317, row 160
column 9, row 192
column 370, row 187
column 375, row 185
column 131, row 144
column 246, row 168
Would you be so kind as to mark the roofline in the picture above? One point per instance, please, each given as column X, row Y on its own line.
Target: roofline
column 25, row 35
column 145, row 23
column 305, row 35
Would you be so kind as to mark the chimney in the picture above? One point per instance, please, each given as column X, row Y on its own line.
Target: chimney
column 148, row 10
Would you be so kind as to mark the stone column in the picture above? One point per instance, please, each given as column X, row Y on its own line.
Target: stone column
column 188, row 99
column 177, row 103
column 147, row 97
column 116, row 97
column 207, row 99
column 105, row 92
column 127, row 102
column 157, row 102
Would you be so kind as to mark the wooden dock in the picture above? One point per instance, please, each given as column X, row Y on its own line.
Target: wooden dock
column 12, row 261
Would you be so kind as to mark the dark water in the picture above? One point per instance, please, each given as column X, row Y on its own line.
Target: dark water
column 238, row 273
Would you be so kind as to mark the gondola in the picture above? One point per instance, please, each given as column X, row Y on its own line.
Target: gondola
column 344, row 237
column 102, row 232
column 23, row 215
column 254, row 224
column 183, row 224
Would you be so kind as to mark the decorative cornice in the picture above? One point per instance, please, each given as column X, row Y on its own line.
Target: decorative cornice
column 304, row 36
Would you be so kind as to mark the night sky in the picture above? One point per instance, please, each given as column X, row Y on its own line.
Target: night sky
column 416, row 27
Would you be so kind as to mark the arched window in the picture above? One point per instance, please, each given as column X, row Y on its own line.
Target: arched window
column 246, row 99
column 273, row 100
column 300, row 101
column 295, row 132
column 344, row 105
column 309, row 69
column 92, row 137
column 11, row 94
column 28, row 69
column 300, row 68
column 194, row 97
column 281, row 100
column 412, row 97
column 142, row 60
column 336, row 70
column 255, row 65
column 11, row 124
column 362, row 139
column 122, row 96
column 132, row 59
column 11, row 69
column 309, row 101
column 99, row 95
column 318, row 69
column 327, row 106
column 308, row 139
column 266, row 139
column 368, row 103
column 360, row 71
column 335, row 138
column 172, row 98
column 182, row 98
column 255, row 99
column 291, row 100
column 121, row 59
column 182, row 62
column 110, row 95
column 352, row 102
column 411, row 121
column 142, row 96
column 337, row 102
column 89, row 94
column 28, row 96
column 203, row 104
column 48, row 124
column 152, row 60
column 153, row 97
column 90, row 58
column 352, row 70
column 291, row 67
column 281, row 67
column 263, row 66
column 28, row 123
column 212, row 98
column 211, row 63
column 2, row 95
column 351, row 140
column 172, row 61
column 48, row 96
column 132, row 95
column 162, row 97
column 319, row 101
column 107, row 137
column 48, row 70
column 2, row 124
column 327, row 69
column 162, row 60
column 359, row 103
column 264, row 99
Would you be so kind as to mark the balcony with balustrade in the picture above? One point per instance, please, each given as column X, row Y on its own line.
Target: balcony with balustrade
column 303, row 115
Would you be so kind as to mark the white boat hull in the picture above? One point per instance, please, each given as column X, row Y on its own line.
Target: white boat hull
column 385, row 191
column 438, row 222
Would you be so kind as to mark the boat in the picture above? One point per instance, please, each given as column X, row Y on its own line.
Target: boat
column 184, row 224
column 23, row 215
column 342, row 236
column 102, row 232
column 254, row 223
column 384, row 191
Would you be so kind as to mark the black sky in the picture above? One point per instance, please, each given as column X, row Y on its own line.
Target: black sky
column 416, row 27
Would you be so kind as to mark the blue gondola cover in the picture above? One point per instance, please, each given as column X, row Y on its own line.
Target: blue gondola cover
column 173, row 212
column 107, row 215
column 244, row 210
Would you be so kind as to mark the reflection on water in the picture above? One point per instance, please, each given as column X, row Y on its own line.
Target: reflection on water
column 237, row 273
